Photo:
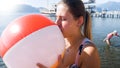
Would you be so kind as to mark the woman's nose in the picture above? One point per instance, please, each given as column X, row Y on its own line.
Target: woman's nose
column 58, row 22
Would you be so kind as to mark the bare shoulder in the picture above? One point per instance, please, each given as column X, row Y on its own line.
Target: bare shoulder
column 90, row 49
column 90, row 57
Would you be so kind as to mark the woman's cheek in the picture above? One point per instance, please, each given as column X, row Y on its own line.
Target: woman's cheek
column 64, row 24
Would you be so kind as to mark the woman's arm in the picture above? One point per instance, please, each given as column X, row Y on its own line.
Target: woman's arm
column 117, row 35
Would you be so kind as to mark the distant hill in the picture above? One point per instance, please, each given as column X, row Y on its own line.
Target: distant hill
column 42, row 9
column 23, row 8
column 110, row 6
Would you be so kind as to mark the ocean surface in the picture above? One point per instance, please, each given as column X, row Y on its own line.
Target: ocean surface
column 110, row 56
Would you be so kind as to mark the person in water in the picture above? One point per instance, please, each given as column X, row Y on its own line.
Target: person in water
column 75, row 24
column 109, row 36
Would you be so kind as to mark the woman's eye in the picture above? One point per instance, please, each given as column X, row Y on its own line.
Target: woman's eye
column 64, row 19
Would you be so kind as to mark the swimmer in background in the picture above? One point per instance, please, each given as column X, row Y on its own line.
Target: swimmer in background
column 109, row 36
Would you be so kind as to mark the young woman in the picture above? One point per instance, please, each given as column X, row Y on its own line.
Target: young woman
column 75, row 24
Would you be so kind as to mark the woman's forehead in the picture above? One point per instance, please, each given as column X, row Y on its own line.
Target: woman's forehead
column 62, row 10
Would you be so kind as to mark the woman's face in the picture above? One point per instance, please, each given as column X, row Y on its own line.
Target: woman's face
column 65, row 20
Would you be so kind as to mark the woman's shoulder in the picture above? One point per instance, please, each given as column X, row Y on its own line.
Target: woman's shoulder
column 88, row 45
column 90, row 56
column 90, row 49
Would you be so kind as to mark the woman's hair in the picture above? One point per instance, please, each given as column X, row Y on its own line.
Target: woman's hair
column 77, row 9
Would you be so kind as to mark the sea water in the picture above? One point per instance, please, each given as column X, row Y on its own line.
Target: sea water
column 110, row 56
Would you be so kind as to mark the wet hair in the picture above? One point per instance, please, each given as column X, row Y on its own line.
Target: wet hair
column 77, row 9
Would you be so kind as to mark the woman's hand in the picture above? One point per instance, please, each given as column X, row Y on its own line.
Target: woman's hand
column 43, row 66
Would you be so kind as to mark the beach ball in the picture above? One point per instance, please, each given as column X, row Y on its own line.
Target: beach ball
column 29, row 40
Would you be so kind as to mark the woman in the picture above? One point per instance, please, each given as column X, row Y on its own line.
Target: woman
column 75, row 25
column 109, row 36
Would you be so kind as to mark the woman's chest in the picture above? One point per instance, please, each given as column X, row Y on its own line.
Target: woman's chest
column 69, row 57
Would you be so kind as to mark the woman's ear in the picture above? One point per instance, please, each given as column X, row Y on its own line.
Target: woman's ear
column 80, row 21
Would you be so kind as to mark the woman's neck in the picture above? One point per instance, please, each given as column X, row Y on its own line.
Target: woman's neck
column 71, row 41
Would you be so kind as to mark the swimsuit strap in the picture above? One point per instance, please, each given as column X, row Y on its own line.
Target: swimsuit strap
column 82, row 45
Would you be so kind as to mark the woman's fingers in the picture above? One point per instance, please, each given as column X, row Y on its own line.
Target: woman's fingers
column 43, row 66
column 59, row 58
column 40, row 65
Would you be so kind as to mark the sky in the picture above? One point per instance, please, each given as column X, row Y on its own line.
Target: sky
column 6, row 5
